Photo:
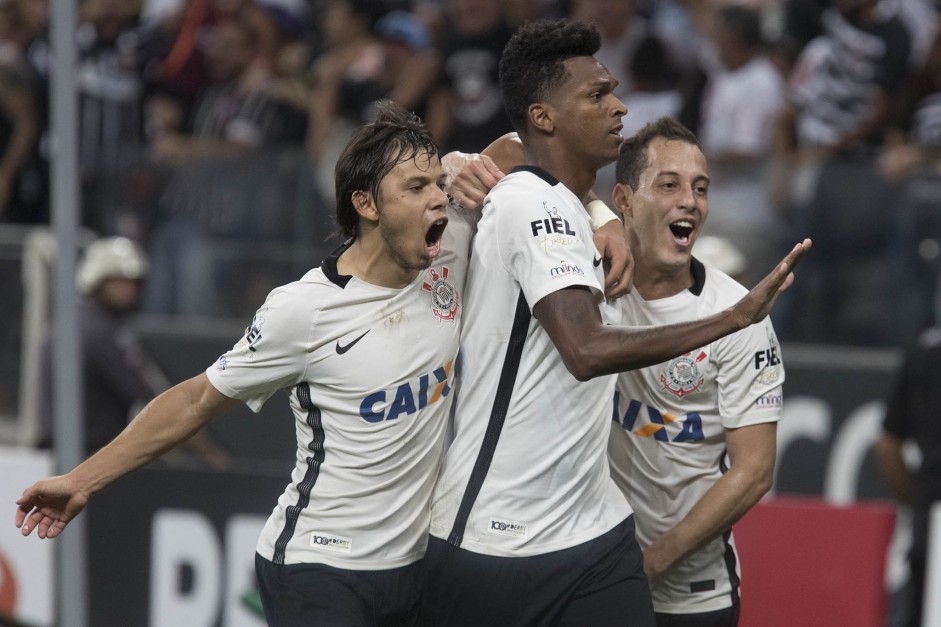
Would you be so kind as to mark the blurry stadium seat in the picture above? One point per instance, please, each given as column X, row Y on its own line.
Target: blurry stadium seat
column 806, row 563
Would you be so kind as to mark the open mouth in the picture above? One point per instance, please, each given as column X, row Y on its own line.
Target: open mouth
column 682, row 231
column 433, row 237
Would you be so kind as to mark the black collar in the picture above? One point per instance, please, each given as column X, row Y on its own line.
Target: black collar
column 532, row 169
column 698, row 270
column 329, row 265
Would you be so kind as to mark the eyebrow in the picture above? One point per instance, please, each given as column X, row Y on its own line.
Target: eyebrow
column 701, row 177
column 608, row 82
column 425, row 179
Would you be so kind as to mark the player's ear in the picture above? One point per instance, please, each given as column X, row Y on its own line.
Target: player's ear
column 623, row 198
column 365, row 205
column 540, row 117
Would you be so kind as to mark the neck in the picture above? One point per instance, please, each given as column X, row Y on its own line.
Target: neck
column 654, row 283
column 572, row 172
column 370, row 262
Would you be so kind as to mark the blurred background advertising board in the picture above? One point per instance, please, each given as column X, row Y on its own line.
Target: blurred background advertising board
column 26, row 574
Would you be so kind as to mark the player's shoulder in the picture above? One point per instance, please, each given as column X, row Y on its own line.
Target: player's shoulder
column 530, row 191
column 518, row 183
column 303, row 294
column 720, row 289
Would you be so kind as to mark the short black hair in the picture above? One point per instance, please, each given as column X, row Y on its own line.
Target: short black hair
column 633, row 157
column 531, row 66
column 395, row 135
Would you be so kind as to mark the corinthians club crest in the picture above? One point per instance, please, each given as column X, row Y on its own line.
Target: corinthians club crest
column 444, row 297
column 681, row 376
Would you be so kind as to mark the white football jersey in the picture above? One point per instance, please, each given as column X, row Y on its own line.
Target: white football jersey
column 526, row 472
column 369, row 372
column 667, row 445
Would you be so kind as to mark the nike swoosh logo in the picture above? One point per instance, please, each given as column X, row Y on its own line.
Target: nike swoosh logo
column 597, row 261
column 343, row 349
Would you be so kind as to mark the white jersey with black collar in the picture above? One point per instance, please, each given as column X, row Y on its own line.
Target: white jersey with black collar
column 667, row 445
column 526, row 473
column 369, row 372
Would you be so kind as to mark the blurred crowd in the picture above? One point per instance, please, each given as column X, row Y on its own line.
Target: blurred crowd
column 208, row 130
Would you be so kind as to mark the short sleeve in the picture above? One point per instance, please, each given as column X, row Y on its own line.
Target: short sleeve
column 270, row 356
column 545, row 244
column 750, row 376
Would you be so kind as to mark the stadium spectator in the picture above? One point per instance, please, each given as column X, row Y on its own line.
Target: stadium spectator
column 912, row 160
column 230, row 117
column 620, row 28
column 828, row 140
column 118, row 376
column 24, row 166
column 465, row 109
column 217, row 185
column 19, row 139
column 350, row 58
column 743, row 96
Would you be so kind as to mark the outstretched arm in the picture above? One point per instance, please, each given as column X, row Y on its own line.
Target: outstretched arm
column 590, row 348
column 166, row 421
column 752, row 451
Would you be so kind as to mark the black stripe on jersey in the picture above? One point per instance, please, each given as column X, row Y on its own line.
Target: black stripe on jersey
column 314, row 462
column 501, row 403
column 730, row 562
column 730, row 558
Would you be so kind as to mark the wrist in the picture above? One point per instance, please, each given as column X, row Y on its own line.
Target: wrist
column 599, row 213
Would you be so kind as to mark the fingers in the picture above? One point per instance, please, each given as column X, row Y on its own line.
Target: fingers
column 797, row 253
column 492, row 173
column 24, row 505
column 619, row 287
column 34, row 513
column 477, row 176
column 46, row 523
column 467, row 197
column 783, row 272
column 50, row 527
column 619, row 280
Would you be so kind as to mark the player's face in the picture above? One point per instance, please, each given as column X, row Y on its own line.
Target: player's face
column 413, row 211
column 589, row 114
column 670, row 205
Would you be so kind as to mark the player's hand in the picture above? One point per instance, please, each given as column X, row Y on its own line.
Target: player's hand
column 758, row 302
column 470, row 177
column 611, row 240
column 48, row 506
column 655, row 563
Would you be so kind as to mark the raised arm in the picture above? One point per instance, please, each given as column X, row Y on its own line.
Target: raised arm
column 165, row 422
column 590, row 348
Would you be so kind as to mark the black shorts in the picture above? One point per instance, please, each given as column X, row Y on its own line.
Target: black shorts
column 599, row 583
column 719, row 618
column 302, row 595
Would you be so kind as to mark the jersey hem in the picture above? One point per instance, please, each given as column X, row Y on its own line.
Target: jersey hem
column 528, row 550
